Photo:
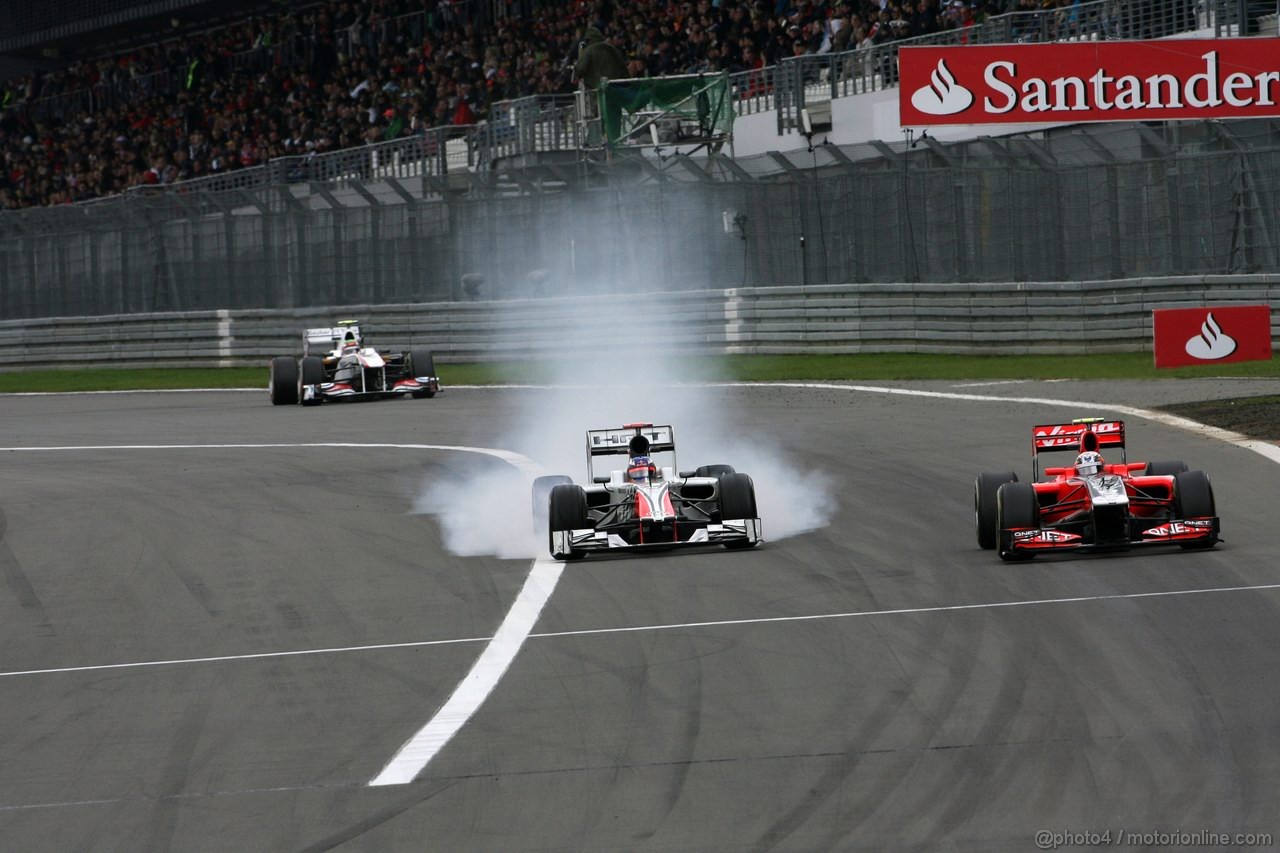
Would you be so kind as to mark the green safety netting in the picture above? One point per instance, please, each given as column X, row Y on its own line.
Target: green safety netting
column 700, row 102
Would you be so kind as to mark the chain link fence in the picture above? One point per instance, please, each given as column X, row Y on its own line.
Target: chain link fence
column 1106, row 201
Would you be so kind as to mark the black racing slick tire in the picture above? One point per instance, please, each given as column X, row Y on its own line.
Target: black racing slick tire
column 284, row 381
column 542, row 487
column 1165, row 469
column 737, row 500
column 713, row 470
column 1016, row 506
column 1193, row 498
column 568, row 511
column 422, row 363
column 310, row 372
column 984, row 505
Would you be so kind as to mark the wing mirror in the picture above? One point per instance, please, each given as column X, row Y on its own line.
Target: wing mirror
column 600, row 480
column 687, row 474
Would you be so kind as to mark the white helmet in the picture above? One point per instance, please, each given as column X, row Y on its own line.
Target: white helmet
column 1089, row 463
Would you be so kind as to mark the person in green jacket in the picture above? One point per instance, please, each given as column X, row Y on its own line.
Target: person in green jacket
column 599, row 60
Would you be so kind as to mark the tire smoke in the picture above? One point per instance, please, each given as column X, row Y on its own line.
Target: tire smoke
column 608, row 375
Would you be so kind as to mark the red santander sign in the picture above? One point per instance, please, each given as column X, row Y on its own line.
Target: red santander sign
column 1212, row 335
column 1093, row 81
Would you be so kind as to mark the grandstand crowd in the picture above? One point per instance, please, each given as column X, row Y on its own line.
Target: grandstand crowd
column 340, row 74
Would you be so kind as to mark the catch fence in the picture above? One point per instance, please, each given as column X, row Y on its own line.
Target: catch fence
column 1100, row 202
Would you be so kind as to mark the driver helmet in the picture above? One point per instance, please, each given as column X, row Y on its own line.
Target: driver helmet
column 350, row 344
column 1089, row 463
column 641, row 470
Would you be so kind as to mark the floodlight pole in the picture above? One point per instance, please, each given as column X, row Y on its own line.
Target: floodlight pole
column 806, row 128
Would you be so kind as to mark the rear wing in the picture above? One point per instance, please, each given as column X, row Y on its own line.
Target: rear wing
column 617, row 442
column 326, row 338
column 1081, row 434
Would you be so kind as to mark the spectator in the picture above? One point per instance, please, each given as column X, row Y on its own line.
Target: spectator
column 598, row 59
column 342, row 74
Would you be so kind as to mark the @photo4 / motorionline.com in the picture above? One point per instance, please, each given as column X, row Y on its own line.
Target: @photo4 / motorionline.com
column 1049, row 840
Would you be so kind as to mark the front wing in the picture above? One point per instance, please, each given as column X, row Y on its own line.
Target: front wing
column 1187, row 531
column 345, row 391
column 567, row 542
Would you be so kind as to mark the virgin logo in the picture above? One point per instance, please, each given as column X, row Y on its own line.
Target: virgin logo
column 1211, row 344
column 943, row 96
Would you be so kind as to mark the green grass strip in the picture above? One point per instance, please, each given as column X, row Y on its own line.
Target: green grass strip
column 865, row 366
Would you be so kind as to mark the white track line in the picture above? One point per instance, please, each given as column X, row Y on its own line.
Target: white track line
column 546, row 580
column 336, row 650
column 128, row 391
column 999, row 382
column 488, row 669
column 1264, row 448
column 905, row 611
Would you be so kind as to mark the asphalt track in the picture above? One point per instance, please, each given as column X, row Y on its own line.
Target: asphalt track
column 938, row 729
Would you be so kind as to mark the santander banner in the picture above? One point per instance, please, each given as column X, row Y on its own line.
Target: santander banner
column 1094, row 81
column 1212, row 335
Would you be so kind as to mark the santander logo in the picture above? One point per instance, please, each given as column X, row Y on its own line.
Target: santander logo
column 943, row 96
column 1211, row 344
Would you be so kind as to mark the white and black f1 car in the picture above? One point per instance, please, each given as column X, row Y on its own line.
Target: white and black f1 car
column 645, row 505
column 1095, row 504
column 336, row 365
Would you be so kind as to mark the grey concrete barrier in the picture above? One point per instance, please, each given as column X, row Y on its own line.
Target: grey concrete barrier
column 983, row 318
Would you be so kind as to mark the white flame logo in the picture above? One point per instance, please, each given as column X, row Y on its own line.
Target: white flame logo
column 943, row 96
column 1211, row 343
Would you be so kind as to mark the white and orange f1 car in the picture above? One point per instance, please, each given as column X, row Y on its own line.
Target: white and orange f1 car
column 645, row 505
column 1096, row 504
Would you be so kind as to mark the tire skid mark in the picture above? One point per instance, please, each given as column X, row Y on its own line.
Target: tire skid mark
column 177, row 771
column 18, row 582
column 837, row 774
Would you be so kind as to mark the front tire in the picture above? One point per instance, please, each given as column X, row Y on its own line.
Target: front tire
column 738, row 500
column 283, row 384
column 311, row 372
column 984, row 505
column 568, row 511
column 422, row 363
column 1016, row 507
column 1193, row 498
column 1165, row 469
column 714, row 470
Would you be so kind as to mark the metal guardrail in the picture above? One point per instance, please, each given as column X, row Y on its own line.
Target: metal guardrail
column 1012, row 318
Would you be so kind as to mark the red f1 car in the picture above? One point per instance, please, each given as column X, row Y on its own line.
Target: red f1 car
column 1093, row 505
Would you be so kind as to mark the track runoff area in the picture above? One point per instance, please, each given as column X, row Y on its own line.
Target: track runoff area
column 248, row 623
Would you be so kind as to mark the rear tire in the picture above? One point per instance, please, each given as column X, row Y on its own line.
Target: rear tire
column 283, row 384
column 1193, row 498
column 737, row 500
column 984, row 505
column 311, row 372
column 568, row 511
column 422, row 363
column 1165, row 469
column 1016, row 506
column 714, row 470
